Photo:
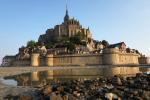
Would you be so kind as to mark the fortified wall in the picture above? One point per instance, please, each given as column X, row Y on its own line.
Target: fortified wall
column 108, row 57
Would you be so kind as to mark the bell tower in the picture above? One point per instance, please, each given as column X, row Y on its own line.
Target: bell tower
column 66, row 18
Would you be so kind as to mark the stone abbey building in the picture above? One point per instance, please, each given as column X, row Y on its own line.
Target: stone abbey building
column 69, row 28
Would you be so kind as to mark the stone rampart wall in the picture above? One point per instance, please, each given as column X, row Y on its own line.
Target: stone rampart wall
column 22, row 63
column 108, row 57
column 115, row 57
column 86, row 59
column 126, row 58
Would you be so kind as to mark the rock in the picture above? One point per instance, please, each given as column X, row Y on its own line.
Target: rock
column 77, row 88
column 75, row 93
column 146, row 95
column 11, row 97
column 71, row 97
column 114, row 88
column 61, row 88
column 116, row 80
column 65, row 97
column 135, row 92
column 109, row 96
column 137, row 98
column 53, row 96
column 25, row 98
column 47, row 90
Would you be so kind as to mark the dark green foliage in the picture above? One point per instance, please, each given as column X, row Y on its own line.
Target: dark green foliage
column 137, row 52
column 70, row 46
column 64, row 39
column 105, row 43
column 70, row 42
column 83, row 43
column 31, row 43
column 75, row 40
column 49, row 45
column 128, row 50
column 81, row 35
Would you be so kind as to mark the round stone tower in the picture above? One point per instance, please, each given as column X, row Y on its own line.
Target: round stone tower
column 35, row 59
column 111, row 56
column 49, row 60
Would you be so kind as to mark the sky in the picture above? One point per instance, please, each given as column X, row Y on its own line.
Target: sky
column 111, row 20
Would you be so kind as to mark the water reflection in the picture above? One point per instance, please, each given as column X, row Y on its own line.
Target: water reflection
column 50, row 76
column 35, row 76
column 42, row 78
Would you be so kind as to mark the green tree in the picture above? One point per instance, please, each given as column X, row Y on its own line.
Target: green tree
column 31, row 43
column 128, row 50
column 49, row 45
column 75, row 40
column 81, row 35
column 105, row 43
column 71, row 46
column 137, row 52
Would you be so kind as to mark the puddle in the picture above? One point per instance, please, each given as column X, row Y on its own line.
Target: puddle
column 41, row 78
column 10, row 82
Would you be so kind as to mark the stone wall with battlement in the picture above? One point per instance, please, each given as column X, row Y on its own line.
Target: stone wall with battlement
column 63, row 60
column 108, row 57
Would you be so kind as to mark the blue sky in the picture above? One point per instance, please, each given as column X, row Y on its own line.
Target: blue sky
column 112, row 20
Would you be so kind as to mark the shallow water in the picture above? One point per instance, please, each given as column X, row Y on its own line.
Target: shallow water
column 41, row 78
column 9, row 82
column 49, row 76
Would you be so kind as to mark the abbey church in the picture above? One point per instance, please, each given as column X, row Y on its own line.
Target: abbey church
column 69, row 28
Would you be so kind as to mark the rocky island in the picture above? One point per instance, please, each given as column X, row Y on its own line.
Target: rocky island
column 70, row 44
column 70, row 48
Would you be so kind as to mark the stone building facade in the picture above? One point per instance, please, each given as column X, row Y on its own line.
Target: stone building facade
column 8, row 60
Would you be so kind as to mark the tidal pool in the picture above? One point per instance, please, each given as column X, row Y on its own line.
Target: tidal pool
column 42, row 78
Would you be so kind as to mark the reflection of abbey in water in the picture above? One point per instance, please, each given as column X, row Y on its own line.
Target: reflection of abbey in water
column 49, row 76
column 71, row 44
column 31, row 79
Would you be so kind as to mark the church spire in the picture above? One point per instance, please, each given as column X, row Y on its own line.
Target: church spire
column 66, row 8
column 66, row 18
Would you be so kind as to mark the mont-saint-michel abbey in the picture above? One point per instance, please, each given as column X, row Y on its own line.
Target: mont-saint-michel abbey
column 70, row 44
column 67, row 63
